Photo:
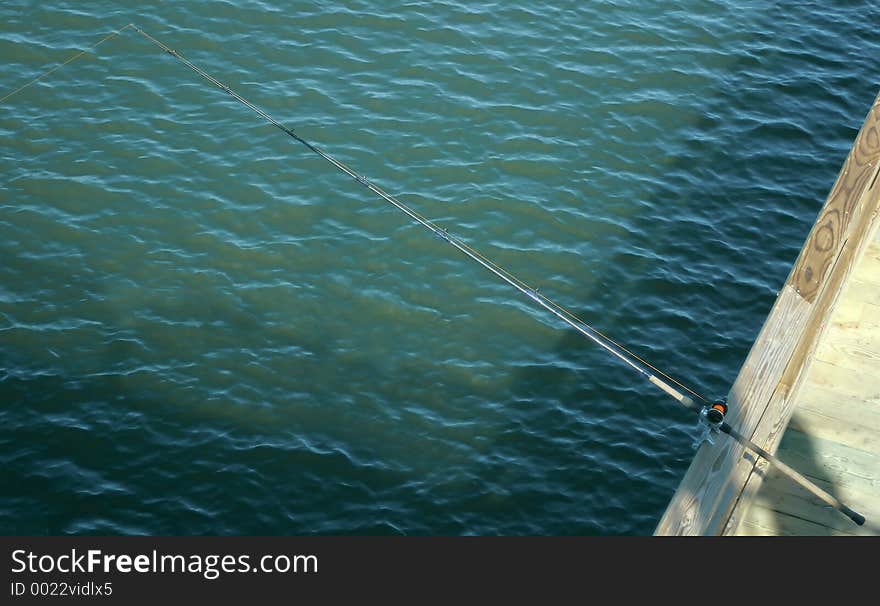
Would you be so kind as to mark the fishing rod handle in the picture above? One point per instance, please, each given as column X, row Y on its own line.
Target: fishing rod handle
column 684, row 400
column 824, row 496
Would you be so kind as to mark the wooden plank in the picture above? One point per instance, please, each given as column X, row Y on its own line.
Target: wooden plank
column 845, row 380
column 834, row 403
column 851, row 347
column 787, row 500
column 831, row 461
column 869, row 267
column 861, row 430
column 775, row 419
column 850, row 415
column 764, row 521
column 709, row 483
column 826, row 302
column 863, row 290
column 849, row 473
column 848, row 314
column 848, row 405
column 831, row 345
column 772, row 427
column 790, row 498
column 826, row 238
column 870, row 315
column 834, row 284
column 861, row 207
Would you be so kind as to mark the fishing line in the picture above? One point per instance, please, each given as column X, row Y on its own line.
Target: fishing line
column 560, row 312
column 70, row 60
column 712, row 414
column 649, row 371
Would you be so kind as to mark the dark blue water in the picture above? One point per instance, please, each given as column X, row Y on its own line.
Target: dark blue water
column 207, row 329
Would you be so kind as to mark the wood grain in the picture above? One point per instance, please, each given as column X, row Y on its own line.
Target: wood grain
column 834, row 433
column 826, row 238
column 710, row 487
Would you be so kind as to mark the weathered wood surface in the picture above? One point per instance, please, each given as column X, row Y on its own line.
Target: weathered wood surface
column 821, row 338
column 781, row 508
column 834, row 433
column 709, row 487
column 858, row 175
column 723, row 475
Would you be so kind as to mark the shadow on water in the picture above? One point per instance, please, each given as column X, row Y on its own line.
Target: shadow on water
column 100, row 439
column 96, row 456
column 636, row 299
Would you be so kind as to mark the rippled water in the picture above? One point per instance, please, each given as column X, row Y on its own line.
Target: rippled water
column 206, row 329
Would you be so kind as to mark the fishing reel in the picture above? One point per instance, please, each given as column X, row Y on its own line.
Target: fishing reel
column 711, row 418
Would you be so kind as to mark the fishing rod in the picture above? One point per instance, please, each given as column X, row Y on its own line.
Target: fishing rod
column 534, row 294
column 712, row 414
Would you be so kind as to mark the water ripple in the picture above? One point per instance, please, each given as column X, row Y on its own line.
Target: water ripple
column 205, row 329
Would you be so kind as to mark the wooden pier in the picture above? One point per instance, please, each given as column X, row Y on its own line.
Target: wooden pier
column 809, row 390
